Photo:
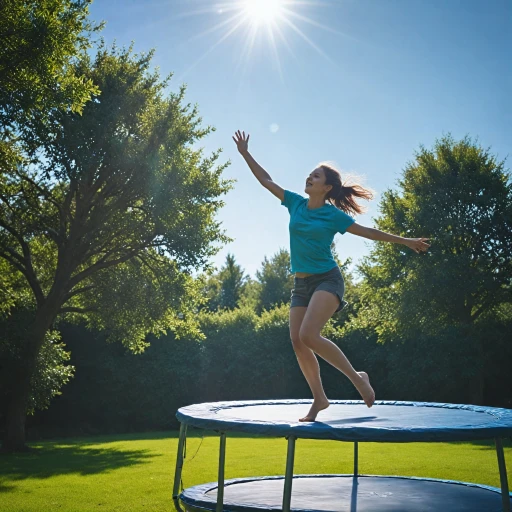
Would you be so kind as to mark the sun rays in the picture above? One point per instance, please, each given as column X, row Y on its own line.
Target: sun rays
column 263, row 11
column 248, row 23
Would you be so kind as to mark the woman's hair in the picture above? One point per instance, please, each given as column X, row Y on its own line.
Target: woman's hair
column 343, row 194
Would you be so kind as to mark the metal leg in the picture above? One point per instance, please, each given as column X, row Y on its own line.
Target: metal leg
column 220, row 483
column 288, row 478
column 179, row 467
column 505, row 498
column 356, row 458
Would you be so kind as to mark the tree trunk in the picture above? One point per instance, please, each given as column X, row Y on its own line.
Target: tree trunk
column 14, row 437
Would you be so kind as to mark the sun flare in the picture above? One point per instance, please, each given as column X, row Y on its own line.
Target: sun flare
column 254, row 22
column 263, row 11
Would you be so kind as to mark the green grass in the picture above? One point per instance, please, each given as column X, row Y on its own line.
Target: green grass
column 136, row 472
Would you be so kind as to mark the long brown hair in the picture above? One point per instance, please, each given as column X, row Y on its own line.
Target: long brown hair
column 343, row 193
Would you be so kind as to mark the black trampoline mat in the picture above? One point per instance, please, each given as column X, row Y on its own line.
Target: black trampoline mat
column 346, row 493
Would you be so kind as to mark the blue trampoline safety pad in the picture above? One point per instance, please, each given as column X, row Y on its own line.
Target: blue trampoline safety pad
column 330, row 493
column 352, row 420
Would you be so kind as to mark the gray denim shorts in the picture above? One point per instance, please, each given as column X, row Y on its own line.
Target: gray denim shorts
column 331, row 281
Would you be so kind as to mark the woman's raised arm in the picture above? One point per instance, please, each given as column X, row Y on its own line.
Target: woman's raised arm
column 416, row 244
column 242, row 143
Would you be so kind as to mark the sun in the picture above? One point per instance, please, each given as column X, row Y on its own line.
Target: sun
column 256, row 21
column 263, row 11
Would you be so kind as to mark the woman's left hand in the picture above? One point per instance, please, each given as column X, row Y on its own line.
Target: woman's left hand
column 417, row 244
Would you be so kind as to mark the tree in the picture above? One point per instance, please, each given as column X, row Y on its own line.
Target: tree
column 233, row 281
column 51, row 369
column 225, row 288
column 109, row 222
column 39, row 41
column 460, row 197
column 276, row 280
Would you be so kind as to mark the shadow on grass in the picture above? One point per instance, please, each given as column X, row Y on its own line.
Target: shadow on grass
column 54, row 459
column 6, row 487
column 192, row 432
column 488, row 444
column 85, row 456
column 92, row 455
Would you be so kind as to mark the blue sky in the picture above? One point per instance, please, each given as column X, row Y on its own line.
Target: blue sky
column 359, row 82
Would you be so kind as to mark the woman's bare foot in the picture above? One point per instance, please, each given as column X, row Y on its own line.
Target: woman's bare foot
column 365, row 389
column 318, row 405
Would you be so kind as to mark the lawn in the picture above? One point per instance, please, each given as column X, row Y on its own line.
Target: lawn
column 135, row 472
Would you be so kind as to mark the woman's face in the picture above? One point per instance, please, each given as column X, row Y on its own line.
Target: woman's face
column 315, row 183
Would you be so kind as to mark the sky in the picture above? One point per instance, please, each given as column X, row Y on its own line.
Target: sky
column 361, row 83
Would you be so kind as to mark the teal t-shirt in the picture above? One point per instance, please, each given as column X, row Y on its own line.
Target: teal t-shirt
column 312, row 233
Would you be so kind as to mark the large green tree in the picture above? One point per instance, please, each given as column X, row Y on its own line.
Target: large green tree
column 440, row 302
column 111, row 220
column 39, row 40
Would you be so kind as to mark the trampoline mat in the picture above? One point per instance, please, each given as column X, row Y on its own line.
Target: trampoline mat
column 345, row 493
column 351, row 420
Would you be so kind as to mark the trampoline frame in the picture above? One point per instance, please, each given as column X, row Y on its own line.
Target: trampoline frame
column 288, row 479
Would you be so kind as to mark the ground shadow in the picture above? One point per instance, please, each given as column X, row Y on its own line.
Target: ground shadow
column 488, row 444
column 72, row 458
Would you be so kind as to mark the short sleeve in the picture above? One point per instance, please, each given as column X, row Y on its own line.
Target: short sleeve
column 342, row 221
column 291, row 200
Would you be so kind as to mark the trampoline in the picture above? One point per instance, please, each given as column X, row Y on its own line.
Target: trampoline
column 349, row 421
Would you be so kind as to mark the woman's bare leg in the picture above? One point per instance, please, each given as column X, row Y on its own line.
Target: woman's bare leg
column 308, row 364
column 321, row 307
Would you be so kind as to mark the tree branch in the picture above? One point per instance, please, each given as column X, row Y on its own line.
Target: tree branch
column 44, row 192
column 16, row 255
column 18, row 266
column 77, row 310
column 78, row 291
column 13, row 262
column 100, row 265
column 5, row 200
column 494, row 292
column 28, row 270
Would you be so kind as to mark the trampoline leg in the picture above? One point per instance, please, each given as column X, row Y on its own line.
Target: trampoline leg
column 505, row 498
column 356, row 458
column 220, row 483
column 179, row 467
column 288, row 477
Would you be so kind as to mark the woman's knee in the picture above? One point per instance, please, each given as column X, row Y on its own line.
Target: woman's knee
column 297, row 344
column 307, row 337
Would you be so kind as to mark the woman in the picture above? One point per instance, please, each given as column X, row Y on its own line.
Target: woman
column 318, row 283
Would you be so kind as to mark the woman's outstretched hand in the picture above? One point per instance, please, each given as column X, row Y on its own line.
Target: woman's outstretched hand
column 242, row 143
column 417, row 244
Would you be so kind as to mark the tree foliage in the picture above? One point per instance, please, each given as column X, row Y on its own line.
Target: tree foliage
column 225, row 288
column 120, row 208
column 116, row 212
column 460, row 197
column 276, row 280
column 39, row 41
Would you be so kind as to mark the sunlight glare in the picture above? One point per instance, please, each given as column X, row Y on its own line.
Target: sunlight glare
column 263, row 11
column 257, row 20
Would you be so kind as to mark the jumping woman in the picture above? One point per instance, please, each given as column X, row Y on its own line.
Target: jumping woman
column 318, row 283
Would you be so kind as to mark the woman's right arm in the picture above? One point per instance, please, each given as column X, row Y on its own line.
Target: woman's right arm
column 261, row 175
